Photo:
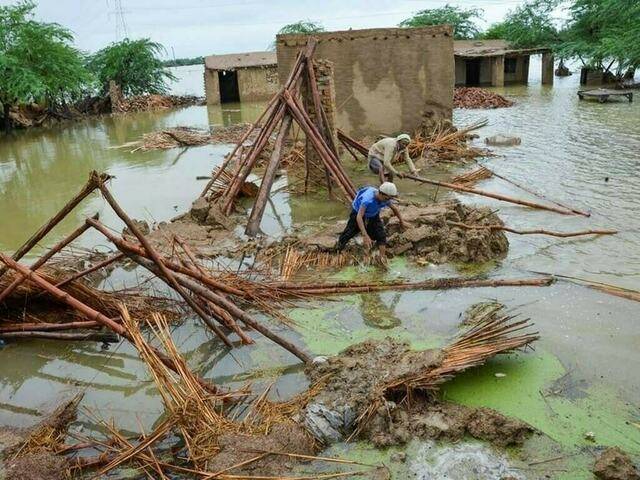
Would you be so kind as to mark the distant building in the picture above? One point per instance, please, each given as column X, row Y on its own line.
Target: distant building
column 240, row 77
column 495, row 63
column 386, row 79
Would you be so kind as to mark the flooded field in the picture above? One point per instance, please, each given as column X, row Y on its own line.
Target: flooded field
column 581, row 378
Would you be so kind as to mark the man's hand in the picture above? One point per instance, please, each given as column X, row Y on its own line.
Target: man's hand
column 416, row 171
column 403, row 225
column 367, row 242
column 400, row 175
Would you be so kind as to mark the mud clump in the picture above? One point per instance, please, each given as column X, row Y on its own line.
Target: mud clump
column 354, row 379
column 283, row 437
column 614, row 464
column 433, row 235
column 393, row 425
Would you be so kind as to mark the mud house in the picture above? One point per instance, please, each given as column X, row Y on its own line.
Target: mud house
column 495, row 63
column 387, row 79
column 240, row 77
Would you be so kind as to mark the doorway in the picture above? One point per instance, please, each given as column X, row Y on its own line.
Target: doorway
column 473, row 71
column 228, row 81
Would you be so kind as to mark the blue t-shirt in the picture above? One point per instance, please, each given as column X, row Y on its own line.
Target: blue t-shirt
column 366, row 197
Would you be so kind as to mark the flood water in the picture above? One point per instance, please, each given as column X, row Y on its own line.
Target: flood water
column 581, row 153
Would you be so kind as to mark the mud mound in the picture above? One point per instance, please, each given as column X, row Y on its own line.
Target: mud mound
column 289, row 438
column 474, row 97
column 393, row 425
column 352, row 381
column 432, row 235
column 614, row 464
column 355, row 375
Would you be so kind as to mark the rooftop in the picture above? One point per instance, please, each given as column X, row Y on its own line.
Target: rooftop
column 232, row 61
column 489, row 48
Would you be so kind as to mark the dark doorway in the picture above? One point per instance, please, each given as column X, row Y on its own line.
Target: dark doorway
column 229, row 91
column 473, row 71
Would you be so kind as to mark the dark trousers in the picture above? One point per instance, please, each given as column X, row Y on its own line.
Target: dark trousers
column 373, row 226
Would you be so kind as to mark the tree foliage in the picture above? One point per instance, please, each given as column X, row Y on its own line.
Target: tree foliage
column 527, row 26
column 301, row 27
column 604, row 33
column 463, row 20
column 180, row 62
column 37, row 60
column 134, row 65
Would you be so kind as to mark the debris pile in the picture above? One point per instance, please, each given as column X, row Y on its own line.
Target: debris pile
column 367, row 385
column 432, row 234
column 474, row 97
column 144, row 103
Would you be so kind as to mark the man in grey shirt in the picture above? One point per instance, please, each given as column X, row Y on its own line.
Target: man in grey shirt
column 383, row 153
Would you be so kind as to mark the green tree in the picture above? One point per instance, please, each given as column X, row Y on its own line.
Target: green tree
column 134, row 65
column 604, row 34
column 528, row 26
column 463, row 20
column 37, row 61
column 301, row 27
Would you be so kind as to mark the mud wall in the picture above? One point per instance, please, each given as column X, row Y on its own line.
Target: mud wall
column 259, row 83
column 521, row 74
column 211, row 87
column 461, row 71
column 386, row 80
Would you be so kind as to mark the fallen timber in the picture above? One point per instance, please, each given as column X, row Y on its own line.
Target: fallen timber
column 87, row 311
column 533, row 232
column 497, row 196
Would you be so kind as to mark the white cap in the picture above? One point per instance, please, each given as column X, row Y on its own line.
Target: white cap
column 403, row 136
column 389, row 189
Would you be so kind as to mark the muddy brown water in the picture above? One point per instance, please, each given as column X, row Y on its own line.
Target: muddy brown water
column 568, row 149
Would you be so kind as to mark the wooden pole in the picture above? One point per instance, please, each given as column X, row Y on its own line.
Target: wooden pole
column 48, row 327
column 94, row 181
column 255, row 217
column 43, row 259
column 243, row 139
column 129, row 247
column 434, row 284
column 483, row 193
column 105, row 337
column 528, row 190
column 106, row 262
column 532, row 232
column 324, row 152
column 166, row 274
column 229, row 306
column 89, row 312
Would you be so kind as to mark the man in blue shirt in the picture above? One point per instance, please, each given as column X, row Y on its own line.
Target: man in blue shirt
column 365, row 216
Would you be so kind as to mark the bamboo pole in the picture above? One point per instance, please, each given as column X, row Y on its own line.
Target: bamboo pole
column 227, row 305
column 94, row 181
column 89, row 312
column 255, row 217
column 44, row 258
column 483, row 193
column 532, row 232
column 166, row 274
column 348, row 141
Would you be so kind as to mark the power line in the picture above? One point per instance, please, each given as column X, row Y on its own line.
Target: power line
column 121, row 24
